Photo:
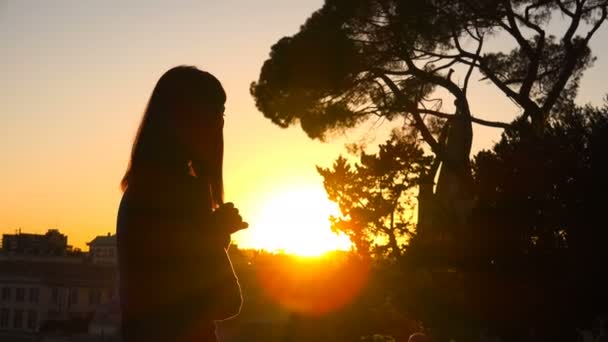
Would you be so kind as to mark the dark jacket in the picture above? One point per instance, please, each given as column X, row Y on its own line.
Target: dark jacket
column 175, row 274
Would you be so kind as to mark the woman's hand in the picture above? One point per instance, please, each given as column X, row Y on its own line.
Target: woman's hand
column 227, row 218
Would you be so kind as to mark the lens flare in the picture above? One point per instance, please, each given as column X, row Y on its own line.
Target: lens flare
column 313, row 286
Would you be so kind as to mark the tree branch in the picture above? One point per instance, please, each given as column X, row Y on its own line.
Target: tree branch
column 436, row 113
column 564, row 9
column 478, row 121
column 573, row 55
column 433, row 71
column 538, row 77
column 502, row 85
column 435, row 79
column 568, row 66
column 475, row 37
column 432, row 60
column 472, row 66
column 532, row 72
column 391, row 72
column 597, row 24
column 526, row 17
column 533, row 6
column 489, row 74
column 513, row 29
column 487, row 123
column 434, row 54
column 424, row 131
column 576, row 19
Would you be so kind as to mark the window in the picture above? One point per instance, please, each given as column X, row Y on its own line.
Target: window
column 34, row 294
column 32, row 319
column 58, row 296
column 4, row 312
column 20, row 297
column 18, row 319
column 73, row 300
column 94, row 296
column 55, row 296
column 6, row 293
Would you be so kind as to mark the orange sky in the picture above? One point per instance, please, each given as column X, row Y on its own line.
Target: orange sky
column 76, row 76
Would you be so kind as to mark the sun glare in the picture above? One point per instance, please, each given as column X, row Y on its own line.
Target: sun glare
column 297, row 222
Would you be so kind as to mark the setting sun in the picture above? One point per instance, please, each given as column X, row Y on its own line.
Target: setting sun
column 296, row 221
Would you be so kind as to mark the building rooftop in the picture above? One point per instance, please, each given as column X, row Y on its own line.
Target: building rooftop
column 103, row 240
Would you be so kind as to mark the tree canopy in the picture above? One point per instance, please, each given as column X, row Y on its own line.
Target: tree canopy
column 353, row 59
column 375, row 196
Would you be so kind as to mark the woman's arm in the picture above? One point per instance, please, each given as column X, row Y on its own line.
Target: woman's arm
column 176, row 258
column 225, row 298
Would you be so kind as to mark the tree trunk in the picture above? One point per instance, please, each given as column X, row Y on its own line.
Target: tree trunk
column 445, row 210
column 454, row 192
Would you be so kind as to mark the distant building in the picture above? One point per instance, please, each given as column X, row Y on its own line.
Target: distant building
column 53, row 243
column 103, row 250
column 46, row 287
column 35, row 294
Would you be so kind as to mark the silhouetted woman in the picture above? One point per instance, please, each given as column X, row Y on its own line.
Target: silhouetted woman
column 173, row 228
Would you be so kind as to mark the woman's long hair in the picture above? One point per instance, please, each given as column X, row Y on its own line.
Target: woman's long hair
column 157, row 145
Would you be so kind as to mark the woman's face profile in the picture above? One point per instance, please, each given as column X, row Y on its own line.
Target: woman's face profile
column 202, row 130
